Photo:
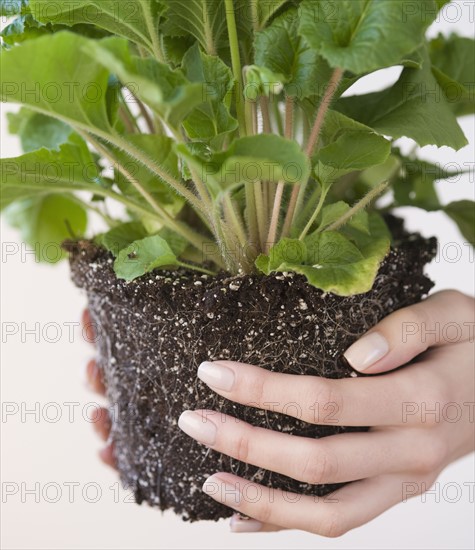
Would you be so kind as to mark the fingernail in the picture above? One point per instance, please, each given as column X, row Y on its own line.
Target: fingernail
column 198, row 427
column 217, row 488
column 92, row 372
column 240, row 524
column 367, row 350
column 216, row 375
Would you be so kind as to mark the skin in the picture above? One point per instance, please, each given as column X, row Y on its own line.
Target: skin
column 401, row 456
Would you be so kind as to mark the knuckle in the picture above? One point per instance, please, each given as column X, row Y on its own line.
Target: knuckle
column 455, row 297
column 256, row 388
column 414, row 321
column 322, row 394
column 332, row 525
column 319, row 467
column 431, row 457
column 242, row 447
column 262, row 511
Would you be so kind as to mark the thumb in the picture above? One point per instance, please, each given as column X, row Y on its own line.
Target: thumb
column 446, row 317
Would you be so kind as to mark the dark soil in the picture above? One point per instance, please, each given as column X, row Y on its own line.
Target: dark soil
column 155, row 331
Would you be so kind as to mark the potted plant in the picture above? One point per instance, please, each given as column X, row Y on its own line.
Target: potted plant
column 247, row 201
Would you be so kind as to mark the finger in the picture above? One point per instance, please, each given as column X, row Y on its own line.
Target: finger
column 369, row 401
column 89, row 332
column 446, row 317
column 244, row 524
column 102, row 423
column 107, row 455
column 94, row 378
column 332, row 459
column 331, row 516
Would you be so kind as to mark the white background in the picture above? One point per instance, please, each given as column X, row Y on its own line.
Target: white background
column 63, row 452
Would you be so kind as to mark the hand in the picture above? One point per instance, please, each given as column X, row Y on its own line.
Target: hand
column 405, row 450
column 101, row 419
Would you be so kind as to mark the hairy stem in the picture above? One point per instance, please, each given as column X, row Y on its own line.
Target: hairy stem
column 164, row 217
column 327, row 99
column 156, row 169
column 255, row 15
column 111, row 222
column 148, row 119
column 314, row 216
column 236, row 62
column 196, row 268
column 360, row 205
column 277, row 116
column 289, row 130
column 267, row 128
column 298, row 191
column 260, row 213
column 251, row 215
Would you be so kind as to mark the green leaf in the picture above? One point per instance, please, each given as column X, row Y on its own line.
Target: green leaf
column 203, row 19
column 23, row 27
column 453, row 65
column 176, row 242
column 121, row 236
column 463, row 214
column 70, row 169
column 284, row 51
column 36, row 130
column 144, row 256
column 285, row 252
column 364, row 35
column 332, row 261
column 414, row 186
column 261, row 81
column 46, row 221
column 136, row 20
column 414, row 107
column 65, row 85
column 333, row 212
column 248, row 19
column 355, row 151
column 210, row 121
column 165, row 91
column 264, row 157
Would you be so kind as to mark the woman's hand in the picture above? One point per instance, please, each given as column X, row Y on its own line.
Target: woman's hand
column 421, row 418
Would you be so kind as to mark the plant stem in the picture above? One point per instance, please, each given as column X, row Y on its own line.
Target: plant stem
column 275, row 216
column 328, row 96
column 146, row 116
column 267, row 128
column 251, row 214
column 125, row 116
column 314, row 216
column 289, row 130
column 277, row 116
column 289, row 117
column 111, row 222
column 156, row 169
column 196, row 268
column 234, row 220
column 236, row 63
column 298, row 191
column 260, row 213
column 163, row 215
column 360, row 205
column 255, row 15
